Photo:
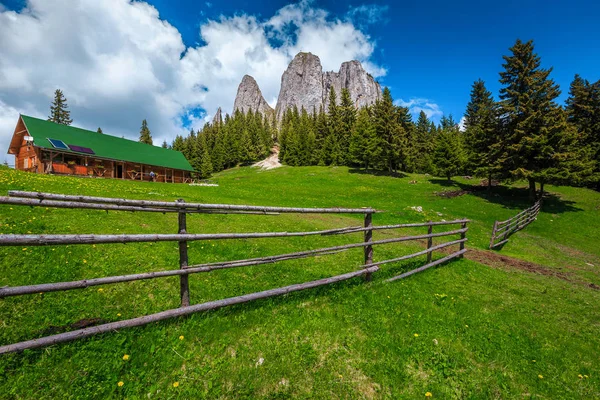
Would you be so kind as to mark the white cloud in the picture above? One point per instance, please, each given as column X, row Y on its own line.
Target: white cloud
column 117, row 62
column 461, row 124
column 416, row 105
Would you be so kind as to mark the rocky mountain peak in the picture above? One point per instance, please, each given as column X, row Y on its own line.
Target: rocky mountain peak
column 249, row 97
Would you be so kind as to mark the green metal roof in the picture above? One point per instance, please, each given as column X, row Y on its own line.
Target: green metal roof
column 103, row 145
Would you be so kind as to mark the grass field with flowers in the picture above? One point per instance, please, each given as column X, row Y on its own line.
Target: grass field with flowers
column 462, row 330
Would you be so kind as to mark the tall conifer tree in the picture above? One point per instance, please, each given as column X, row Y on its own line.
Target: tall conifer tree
column 59, row 110
column 145, row 135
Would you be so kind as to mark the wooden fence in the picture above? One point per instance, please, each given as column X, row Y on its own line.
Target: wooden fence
column 182, row 209
column 503, row 229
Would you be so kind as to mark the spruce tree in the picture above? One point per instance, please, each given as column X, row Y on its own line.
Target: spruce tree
column 59, row 110
column 583, row 113
column 145, row 136
column 333, row 146
column 424, row 144
column 537, row 144
column 347, row 111
column 448, row 155
column 482, row 141
column 165, row 145
column 389, row 131
column 365, row 146
column 99, row 130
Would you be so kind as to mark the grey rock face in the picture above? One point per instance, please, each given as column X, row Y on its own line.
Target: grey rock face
column 249, row 97
column 361, row 85
column 304, row 84
column 218, row 118
column 301, row 85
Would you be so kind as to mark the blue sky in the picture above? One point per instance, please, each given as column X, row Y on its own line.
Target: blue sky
column 174, row 62
column 435, row 50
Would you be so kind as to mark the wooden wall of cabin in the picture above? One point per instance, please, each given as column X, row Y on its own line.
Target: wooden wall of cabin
column 28, row 158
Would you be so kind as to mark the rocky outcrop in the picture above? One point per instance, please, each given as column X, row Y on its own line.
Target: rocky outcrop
column 218, row 118
column 304, row 84
column 301, row 85
column 352, row 76
column 249, row 97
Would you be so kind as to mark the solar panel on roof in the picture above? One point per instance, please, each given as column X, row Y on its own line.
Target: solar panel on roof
column 59, row 144
column 80, row 149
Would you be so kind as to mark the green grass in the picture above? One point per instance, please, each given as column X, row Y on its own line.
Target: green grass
column 482, row 332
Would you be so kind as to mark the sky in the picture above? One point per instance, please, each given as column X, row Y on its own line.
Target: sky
column 175, row 62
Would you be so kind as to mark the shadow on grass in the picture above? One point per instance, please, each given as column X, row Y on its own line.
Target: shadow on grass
column 514, row 198
column 361, row 171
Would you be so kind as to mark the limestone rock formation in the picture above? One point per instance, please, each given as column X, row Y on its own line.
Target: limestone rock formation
column 249, row 97
column 304, row 84
column 301, row 85
column 218, row 118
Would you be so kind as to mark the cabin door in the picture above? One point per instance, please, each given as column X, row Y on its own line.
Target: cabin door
column 120, row 171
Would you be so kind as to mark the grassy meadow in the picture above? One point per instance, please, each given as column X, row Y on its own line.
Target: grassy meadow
column 463, row 330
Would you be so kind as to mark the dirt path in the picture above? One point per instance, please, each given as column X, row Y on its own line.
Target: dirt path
column 270, row 162
column 496, row 260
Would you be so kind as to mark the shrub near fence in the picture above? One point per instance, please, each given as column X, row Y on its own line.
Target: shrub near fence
column 503, row 229
column 182, row 209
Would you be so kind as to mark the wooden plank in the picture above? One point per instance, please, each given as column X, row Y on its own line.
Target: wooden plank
column 50, row 240
column 184, row 286
column 426, row 266
column 178, row 312
column 191, row 206
column 368, row 238
column 500, row 243
column 420, row 253
column 429, row 241
column 200, row 268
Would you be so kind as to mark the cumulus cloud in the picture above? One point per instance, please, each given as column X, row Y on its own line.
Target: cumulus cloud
column 118, row 62
column 415, row 106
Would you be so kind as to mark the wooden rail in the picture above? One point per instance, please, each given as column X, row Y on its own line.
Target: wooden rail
column 502, row 230
column 182, row 236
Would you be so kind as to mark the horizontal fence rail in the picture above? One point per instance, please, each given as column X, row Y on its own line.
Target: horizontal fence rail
column 502, row 230
column 183, row 237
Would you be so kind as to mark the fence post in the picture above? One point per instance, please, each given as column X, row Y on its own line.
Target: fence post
column 184, row 287
column 463, row 236
column 493, row 234
column 429, row 241
column 368, row 238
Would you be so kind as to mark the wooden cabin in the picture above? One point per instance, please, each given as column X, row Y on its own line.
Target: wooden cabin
column 45, row 147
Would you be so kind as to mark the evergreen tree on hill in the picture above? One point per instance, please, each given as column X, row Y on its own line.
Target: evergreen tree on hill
column 424, row 144
column 482, row 141
column 365, row 146
column 537, row 144
column 583, row 113
column 448, row 156
column 347, row 111
column 165, row 145
column 99, row 130
column 390, row 132
column 333, row 142
column 145, row 136
column 59, row 110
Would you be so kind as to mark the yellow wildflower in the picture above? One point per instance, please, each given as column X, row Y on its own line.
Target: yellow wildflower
column 85, row 261
column 541, row 376
column 181, row 337
column 126, row 357
column 118, row 314
column 24, row 248
column 416, row 335
column 175, row 384
column 585, row 376
column 101, row 290
column 428, row 394
column 120, row 383
column 580, row 376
